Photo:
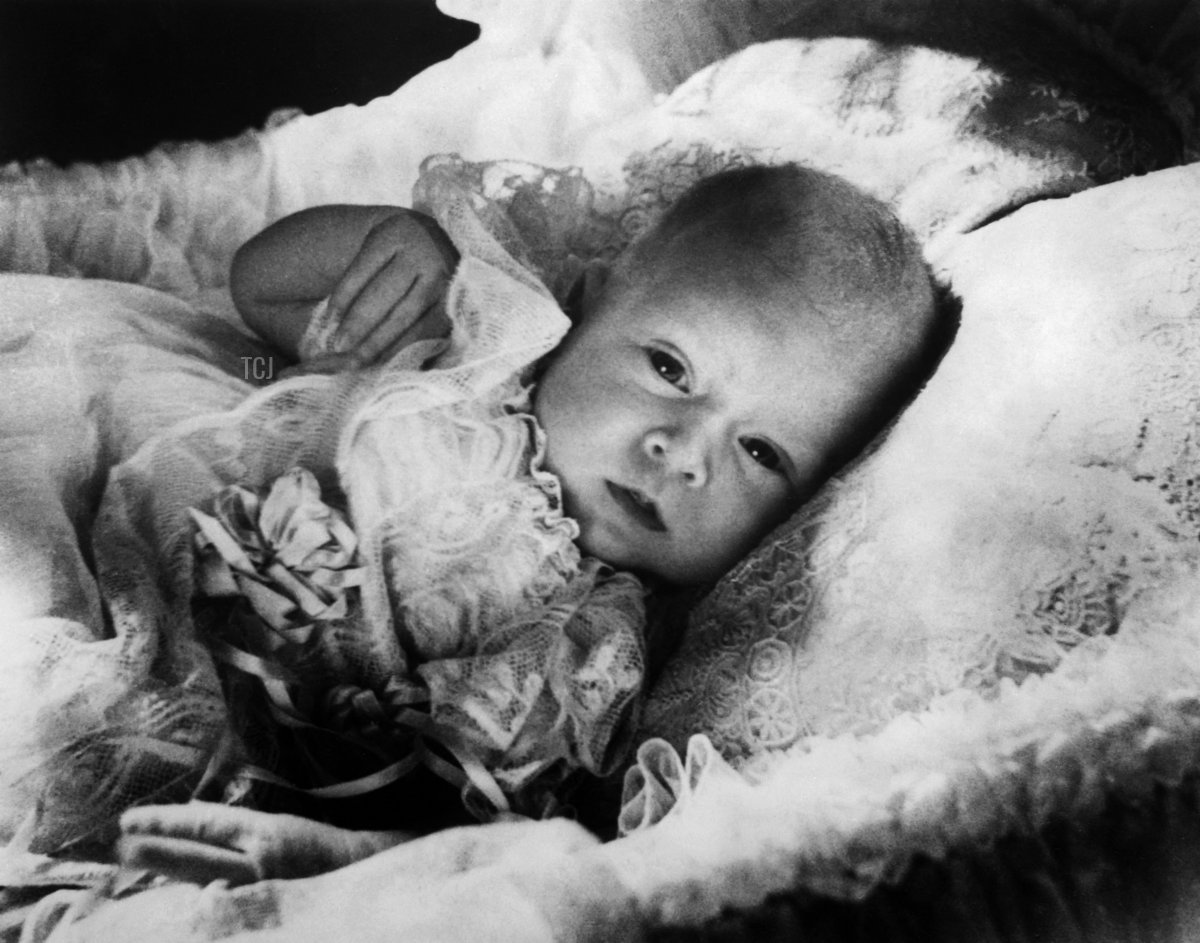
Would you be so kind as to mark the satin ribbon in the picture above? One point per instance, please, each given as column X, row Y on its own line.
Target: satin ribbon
column 290, row 557
column 470, row 773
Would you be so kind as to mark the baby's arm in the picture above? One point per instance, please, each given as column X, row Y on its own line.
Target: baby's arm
column 384, row 270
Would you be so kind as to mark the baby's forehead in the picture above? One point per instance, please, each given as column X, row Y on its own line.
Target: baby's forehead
column 742, row 291
column 783, row 311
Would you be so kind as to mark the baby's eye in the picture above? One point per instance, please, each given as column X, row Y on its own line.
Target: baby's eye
column 763, row 452
column 667, row 367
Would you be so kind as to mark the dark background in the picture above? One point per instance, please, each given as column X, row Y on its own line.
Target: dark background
column 103, row 79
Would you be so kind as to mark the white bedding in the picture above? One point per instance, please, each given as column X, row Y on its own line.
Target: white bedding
column 573, row 89
column 93, row 368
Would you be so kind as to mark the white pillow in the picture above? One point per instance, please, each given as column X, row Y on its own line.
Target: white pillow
column 1045, row 480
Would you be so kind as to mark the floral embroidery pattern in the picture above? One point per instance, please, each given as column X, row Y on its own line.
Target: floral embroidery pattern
column 1072, row 609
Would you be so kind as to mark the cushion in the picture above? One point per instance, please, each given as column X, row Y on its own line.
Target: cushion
column 1044, row 480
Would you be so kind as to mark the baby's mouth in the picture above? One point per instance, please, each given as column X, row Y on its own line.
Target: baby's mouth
column 641, row 508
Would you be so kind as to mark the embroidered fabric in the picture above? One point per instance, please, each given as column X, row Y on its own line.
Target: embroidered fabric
column 1117, row 721
column 474, row 591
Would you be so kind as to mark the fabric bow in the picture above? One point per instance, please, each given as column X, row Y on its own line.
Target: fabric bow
column 290, row 555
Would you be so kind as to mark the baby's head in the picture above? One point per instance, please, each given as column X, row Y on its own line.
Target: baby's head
column 734, row 357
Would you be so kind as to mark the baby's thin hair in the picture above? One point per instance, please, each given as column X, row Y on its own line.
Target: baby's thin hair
column 843, row 255
column 766, row 224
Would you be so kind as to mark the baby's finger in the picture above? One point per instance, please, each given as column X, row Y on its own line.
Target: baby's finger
column 432, row 325
column 187, row 860
column 420, row 315
column 382, row 301
column 400, row 327
column 208, row 822
column 373, row 257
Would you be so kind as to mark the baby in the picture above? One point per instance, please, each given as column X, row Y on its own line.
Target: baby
column 730, row 360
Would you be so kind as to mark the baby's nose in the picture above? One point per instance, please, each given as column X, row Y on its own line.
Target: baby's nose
column 679, row 452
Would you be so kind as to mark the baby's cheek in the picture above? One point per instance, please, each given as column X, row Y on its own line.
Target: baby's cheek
column 753, row 517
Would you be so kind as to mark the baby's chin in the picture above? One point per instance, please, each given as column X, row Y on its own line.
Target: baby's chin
column 598, row 542
column 594, row 542
column 662, row 565
column 661, row 561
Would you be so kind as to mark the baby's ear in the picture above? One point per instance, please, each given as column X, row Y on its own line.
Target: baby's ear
column 586, row 291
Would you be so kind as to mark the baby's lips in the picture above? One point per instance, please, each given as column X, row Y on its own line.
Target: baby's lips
column 640, row 507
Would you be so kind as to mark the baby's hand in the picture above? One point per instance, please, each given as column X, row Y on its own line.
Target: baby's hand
column 202, row 842
column 392, row 293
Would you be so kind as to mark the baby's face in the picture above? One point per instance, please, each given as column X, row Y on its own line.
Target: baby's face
column 684, row 423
